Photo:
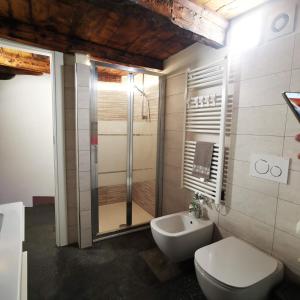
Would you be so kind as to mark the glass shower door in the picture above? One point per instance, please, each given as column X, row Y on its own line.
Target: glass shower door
column 145, row 121
column 112, row 122
column 125, row 125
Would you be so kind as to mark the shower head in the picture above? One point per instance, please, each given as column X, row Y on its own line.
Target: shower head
column 142, row 92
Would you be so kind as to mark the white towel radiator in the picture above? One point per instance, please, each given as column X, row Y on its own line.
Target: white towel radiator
column 205, row 118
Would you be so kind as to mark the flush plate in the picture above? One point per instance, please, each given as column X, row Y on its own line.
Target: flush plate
column 270, row 167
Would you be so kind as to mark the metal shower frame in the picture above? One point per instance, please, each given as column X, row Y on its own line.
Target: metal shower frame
column 159, row 157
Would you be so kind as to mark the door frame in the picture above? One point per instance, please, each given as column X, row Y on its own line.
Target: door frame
column 56, row 74
column 159, row 156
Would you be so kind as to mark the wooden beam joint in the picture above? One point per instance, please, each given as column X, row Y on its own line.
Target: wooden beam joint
column 192, row 17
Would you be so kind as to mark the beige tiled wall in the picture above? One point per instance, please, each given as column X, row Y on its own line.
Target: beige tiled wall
column 265, row 213
column 77, row 150
column 70, row 146
column 83, row 76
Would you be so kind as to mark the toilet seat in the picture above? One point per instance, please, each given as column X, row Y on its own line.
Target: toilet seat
column 222, row 284
column 234, row 263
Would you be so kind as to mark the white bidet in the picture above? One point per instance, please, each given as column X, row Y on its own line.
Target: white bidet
column 179, row 235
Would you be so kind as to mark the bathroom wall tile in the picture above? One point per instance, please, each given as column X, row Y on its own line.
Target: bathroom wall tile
column 84, row 181
column 247, row 228
column 112, row 153
column 295, row 81
column 175, row 103
column 71, row 178
column 83, row 119
column 273, row 57
column 173, row 157
column 69, row 59
column 288, row 217
column 286, row 248
column 291, row 191
column 296, row 58
column 71, row 197
column 70, row 159
column 172, row 174
column 72, row 216
column 70, row 140
column 244, row 145
column 83, row 140
column 144, row 157
column 175, row 85
column 72, row 234
column 174, row 122
column 251, row 203
column 86, row 238
column 143, row 175
column 69, row 119
column 84, row 161
column 112, row 178
column 211, row 213
column 264, row 90
column 292, row 125
column 83, row 97
column 144, row 128
column 113, row 127
column 173, row 140
column 85, row 219
column 221, row 233
column 264, row 120
column 240, row 171
column 82, row 59
column 83, row 74
column 69, row 97
column 291, row 150
column 175, row 199
column 109, row 179
column 69, row 76
column 85, row 200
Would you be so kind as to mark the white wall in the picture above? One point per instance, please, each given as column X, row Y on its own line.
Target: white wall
column 264, row 213
column 26, row 143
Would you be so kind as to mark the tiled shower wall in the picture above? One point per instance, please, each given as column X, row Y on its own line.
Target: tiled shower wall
column 264, row 213
column 83, row 78
column 70, row 146
column 77, row 150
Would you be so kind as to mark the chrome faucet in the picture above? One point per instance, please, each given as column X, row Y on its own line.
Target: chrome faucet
column 196, row 205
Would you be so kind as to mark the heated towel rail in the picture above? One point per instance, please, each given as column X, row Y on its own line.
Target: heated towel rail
column 205, row 118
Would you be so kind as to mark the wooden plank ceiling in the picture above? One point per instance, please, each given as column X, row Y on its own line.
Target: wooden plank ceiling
column 122, row 31
column 230, row 8
column 132, row 32
column 110, row 75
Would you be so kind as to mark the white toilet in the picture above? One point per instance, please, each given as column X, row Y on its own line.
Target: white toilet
column 231, row 269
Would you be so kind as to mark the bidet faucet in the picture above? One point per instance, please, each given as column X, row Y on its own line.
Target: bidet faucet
column 195, row 206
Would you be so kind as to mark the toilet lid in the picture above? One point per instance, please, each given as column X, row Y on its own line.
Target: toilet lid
column 235, row 263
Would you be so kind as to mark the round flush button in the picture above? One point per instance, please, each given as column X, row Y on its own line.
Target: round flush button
column 276, row 171
column 262, row 166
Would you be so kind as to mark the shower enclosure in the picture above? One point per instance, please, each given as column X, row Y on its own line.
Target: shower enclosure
column 124, row 143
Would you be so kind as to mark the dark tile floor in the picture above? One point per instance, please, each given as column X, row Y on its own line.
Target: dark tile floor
column 126, row 267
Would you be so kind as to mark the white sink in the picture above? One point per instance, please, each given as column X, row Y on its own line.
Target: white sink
column 11, row 239
column 179, row 235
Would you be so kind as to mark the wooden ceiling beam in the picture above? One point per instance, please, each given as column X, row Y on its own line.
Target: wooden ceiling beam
column 24, row 61
column 193, row 17
column 41, row 37
column 17, row 71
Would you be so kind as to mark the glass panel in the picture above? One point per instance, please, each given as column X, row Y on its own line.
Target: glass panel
column 146, row 99
column 112, row 106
